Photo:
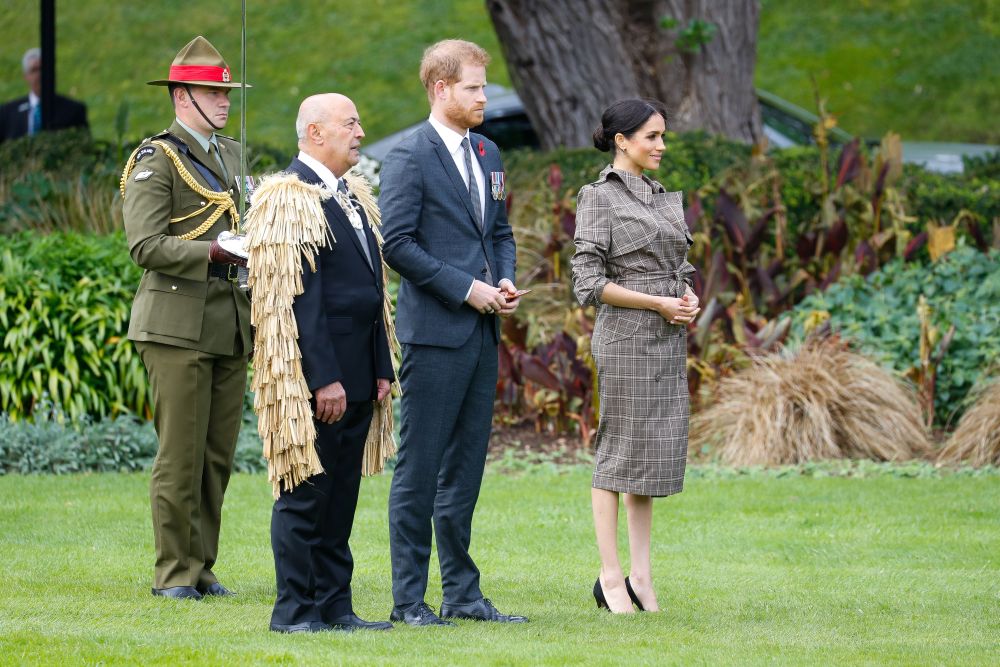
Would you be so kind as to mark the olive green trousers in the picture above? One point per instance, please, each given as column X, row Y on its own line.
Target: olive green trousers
column 197, row 411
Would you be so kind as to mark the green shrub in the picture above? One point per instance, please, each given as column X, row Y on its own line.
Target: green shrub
column 879, row 315
column 942, row 196
column 64, row 310
column 60, row 181
column 689, row 161
column 983, row 166
column 51, row 443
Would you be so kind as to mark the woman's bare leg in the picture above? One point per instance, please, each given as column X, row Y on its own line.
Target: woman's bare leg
column 639, row 512
column 605, row 504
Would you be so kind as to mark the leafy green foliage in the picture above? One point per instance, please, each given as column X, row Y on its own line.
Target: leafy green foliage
column 52, row 443
column 691, row 37
column 690, row 160
column 983, row 166
column 64, row 309
column 879, row 316
column 942, row 196
column 59, row 181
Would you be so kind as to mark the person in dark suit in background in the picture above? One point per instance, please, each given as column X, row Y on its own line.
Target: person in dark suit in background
column 23, row 116
column 347, row 365
column 446, row 233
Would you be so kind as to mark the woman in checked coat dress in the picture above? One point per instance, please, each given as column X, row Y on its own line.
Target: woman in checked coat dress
column 631, row 262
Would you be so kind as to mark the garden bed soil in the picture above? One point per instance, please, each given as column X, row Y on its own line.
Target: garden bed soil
column 524, row 439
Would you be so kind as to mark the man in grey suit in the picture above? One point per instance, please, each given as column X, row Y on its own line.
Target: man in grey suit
column 446, row 233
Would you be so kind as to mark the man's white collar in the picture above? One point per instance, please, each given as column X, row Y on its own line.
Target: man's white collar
column 452, row 139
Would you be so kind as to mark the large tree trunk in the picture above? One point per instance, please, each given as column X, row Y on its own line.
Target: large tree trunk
column 569, row 59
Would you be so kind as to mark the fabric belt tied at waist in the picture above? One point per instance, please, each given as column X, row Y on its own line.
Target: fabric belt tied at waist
column 651, row 276
column 654, row 278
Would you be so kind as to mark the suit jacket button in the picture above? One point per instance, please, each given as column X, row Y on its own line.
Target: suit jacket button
column 658, row 377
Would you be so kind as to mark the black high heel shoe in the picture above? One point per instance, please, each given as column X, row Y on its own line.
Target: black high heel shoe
column 599, row 595
column 631, row 594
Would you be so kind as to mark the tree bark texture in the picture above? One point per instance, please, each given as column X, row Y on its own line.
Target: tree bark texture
column 569, row 59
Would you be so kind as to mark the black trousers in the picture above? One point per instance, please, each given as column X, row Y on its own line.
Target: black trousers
column 311, row 526
column 446, row 418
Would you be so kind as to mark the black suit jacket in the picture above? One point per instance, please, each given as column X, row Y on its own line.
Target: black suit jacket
column 342, row 334
column 66, row 113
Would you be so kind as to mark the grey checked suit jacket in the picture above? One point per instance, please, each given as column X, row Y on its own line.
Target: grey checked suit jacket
column 432, row 239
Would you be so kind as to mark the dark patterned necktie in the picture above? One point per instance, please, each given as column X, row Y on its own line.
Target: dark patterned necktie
column 473, row 184
column 476, row 204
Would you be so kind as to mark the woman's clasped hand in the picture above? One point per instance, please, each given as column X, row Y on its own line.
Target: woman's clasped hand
column 678, row 311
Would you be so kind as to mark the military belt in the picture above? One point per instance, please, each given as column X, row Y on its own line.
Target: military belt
column 224, row 271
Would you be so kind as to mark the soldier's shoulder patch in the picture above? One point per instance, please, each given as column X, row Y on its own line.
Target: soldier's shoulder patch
column 143, row 175
column 145, row 151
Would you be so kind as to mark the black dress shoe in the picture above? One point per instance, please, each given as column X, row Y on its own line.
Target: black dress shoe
column 631, row 594
column 178, row 592
column 215, row 590
column 310, row 626
column 480, row 610
column 350, row 623
column 599, row 595
column 416, row 614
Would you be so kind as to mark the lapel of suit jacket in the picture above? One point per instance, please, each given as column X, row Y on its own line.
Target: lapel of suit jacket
column 23, row 111
column 197, row 152
column 448, row 162
column 341, row 226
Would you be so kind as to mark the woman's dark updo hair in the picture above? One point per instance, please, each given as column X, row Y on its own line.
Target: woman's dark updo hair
column 625, row 116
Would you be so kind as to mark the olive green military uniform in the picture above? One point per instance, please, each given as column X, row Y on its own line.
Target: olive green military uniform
column 192, row 330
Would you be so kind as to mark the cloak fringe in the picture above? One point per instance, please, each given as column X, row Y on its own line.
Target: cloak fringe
column 287, row 223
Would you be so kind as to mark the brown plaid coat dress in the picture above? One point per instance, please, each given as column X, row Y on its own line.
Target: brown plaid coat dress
column 631, row 231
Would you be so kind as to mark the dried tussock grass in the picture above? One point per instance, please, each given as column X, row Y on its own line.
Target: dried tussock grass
column 976, row 441
column 823, row 402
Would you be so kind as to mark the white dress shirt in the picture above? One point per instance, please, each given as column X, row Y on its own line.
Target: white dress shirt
column 332, row 182
column 324, row 174
column 33, row 101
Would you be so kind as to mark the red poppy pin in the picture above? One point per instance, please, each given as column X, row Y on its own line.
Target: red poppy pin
column 482, row 149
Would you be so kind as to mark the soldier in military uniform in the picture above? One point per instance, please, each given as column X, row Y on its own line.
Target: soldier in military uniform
column 190, row 320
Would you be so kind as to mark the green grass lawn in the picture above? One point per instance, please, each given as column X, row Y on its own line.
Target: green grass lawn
column 919, row 67
column 795, row 570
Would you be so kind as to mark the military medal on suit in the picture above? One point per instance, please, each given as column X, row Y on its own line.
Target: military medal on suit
column 191, row 325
